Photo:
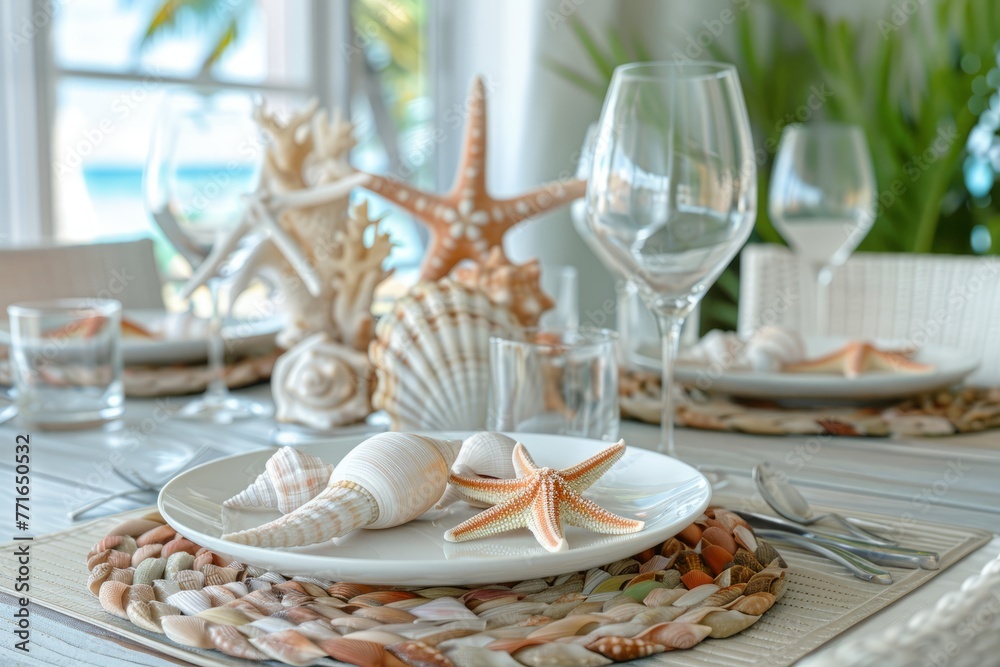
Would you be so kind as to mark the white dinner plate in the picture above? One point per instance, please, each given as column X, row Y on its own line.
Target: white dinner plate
column 951, row 366
column 662, row 491
column 189, row 345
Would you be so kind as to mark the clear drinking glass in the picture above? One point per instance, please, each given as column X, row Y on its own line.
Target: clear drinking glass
column 202, row 163
column 822, row 200
column 563, row 382
column 672, row 194
column 66, row 360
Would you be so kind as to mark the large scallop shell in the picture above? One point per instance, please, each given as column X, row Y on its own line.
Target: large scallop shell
column 321, row 384
column 290, row 480
column 387, row 480
column 514, row 286
column 431, row 357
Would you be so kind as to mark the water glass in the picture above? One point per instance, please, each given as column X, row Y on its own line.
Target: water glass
column 563, row 382
column 66, row 360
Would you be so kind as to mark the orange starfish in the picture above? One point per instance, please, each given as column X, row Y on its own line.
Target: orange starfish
column 856, row 358
column 466, row 222
column 539, row 499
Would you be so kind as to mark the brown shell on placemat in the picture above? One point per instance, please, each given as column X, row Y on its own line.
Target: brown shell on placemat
column 706, row 582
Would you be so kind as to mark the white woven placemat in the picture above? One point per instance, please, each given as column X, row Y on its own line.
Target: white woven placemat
column 820, row 602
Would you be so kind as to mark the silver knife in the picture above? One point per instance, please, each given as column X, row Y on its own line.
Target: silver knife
column 883, row 555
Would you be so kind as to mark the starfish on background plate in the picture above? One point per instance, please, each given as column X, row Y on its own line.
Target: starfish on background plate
column 540, row 499
column 856, row 358
column 466, row 222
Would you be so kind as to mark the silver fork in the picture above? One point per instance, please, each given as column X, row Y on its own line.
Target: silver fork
column 143, row 485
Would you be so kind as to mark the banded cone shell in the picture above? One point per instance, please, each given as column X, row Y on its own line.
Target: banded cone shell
column 387, row 480
column 485, row 453
column 431, row 357
column 290, row 480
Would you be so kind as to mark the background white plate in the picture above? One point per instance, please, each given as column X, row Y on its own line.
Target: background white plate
column 243, row 337
column 952, row 366
column 662, row 491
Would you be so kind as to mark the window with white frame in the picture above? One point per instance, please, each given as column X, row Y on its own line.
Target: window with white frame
column 111, row 64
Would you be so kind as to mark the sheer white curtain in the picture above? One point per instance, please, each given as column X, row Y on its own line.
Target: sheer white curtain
column 24, row 203
column 536, row 119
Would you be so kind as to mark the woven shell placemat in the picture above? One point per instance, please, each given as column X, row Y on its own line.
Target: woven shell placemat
column 820, row 601
column 180, row 379
column 714, row 579
column 962, row 410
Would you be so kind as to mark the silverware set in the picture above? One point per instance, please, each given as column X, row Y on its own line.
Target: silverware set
column 141, row 484
column 861, row 552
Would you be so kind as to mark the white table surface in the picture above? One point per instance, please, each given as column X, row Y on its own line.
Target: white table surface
column 949, row 480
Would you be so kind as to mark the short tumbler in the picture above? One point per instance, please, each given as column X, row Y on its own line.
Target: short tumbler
column 66, row 360
column 563, row 382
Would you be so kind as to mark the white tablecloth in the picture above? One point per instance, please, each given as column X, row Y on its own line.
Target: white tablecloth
column 950, row 480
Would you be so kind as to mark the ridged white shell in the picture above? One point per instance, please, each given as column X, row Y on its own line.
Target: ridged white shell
column 487, row 454
column 290, row 480
column 431, row 357
column 321, row 384
column 387, row 480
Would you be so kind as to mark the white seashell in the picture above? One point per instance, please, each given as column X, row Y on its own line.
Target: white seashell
column 486, row 453
column 148, row 615
column 224, row 616
column 190, row 580
column 238, row 588
column 321, row 383
column 228, row 639
column 431, row 357
column 164, row 589
column 178, row 562
column 443, row 609
column 113, row 596
column 557, row 654
column 290, row 480
column 289, row 647
column 187, row 631
column 474, row 656
column 387, row 480
column 149, row 570
column 218, row 595
column 772, row 347
column 190, row 602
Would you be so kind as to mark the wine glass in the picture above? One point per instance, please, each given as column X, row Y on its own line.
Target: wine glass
column 672, row 194
column 202, row 162
column 822, row 200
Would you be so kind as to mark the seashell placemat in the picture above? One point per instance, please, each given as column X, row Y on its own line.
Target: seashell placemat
column 818, row 602
column 962, row 410
column 177, row 380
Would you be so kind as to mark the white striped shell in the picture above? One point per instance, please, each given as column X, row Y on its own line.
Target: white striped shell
column 488, row 454
column 290, row 480
column 431, row 357
column 387, row 480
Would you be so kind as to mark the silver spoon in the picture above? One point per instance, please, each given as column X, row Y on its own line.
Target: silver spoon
column 786, row 500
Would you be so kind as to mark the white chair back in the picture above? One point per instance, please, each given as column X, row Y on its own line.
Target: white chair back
column 943, row 299
column 124, row 271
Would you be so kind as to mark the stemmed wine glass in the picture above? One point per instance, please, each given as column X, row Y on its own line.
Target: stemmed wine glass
column 672, row 194
column 822, row 199
column 202, row 161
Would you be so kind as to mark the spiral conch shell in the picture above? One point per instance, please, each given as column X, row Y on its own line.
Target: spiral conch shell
column 321, row 384
column 487, row 454
column 387, row 480
column 431, row 357
column 290, row 480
